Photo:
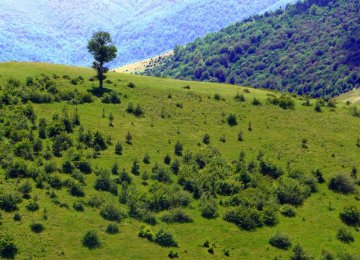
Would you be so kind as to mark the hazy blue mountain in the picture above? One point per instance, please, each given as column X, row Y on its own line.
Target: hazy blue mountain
column 57, row 30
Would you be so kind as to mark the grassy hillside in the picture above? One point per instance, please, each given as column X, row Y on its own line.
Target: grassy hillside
column 310, row 48
column 211, row 177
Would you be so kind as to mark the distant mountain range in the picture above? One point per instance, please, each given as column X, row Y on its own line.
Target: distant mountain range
column 57, row 30
column 313, row 47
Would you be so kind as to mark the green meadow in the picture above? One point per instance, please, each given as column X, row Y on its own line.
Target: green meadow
column 297, row 140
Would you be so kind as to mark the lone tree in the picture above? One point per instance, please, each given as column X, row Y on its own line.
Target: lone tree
column 101, row 48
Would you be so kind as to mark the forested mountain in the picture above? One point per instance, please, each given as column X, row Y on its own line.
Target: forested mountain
column 311, row 47
column 57, row 31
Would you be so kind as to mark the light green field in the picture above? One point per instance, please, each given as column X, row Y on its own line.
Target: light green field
column 331, row 136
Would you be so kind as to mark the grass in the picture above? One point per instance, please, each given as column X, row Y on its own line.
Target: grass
column 278, row 133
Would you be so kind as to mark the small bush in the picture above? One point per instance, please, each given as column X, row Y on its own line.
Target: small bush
column 245, row 218
column 288, row 211
column 131, row 85
column 342, row 183
column 280, row 241
column 17, row 216
column 256, row 102
column 9, row 201
column 32, row 206
column 112, row 229
column 37, row 227
column 232, row 120
column 208, row 207
column 8, row 249
column 176, row 216
column 178, row 149
column 350, row 216
column 206, row 139
column 345, row 236
column 91, row 240
column 165, row 239
column 78, row 206
column 300, row 254
column 173, row 255
column 146, row 232
column 111, row 213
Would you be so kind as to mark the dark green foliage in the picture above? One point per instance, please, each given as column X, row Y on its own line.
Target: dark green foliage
column 8, row 248
column 17, row 216
column 91, row 240
column 32, row 206
column 232, row 120
column 342, row 183
column 268, row 51
column 345, row 236
column 146, row 159
column 84, row 166
column 206, row 139
column 175, row 166
column 76, row 190
column 280, row 241
column 118, row 148
column 54, row 182
column 78, row 206
column 240, row 97
column 167, row 159
column 179, row 149
column 291, row 191
column 288, row 211
column 350, row 216
column 111, row 98
column 270, row 169
column 128, row 138
column 112, row 213
column 135, row 168
column 240, row 136
column 319, row 176
column 318, row 107
column 245, row 218
column 37, row 227
column 124, row 177
column 285, row 102
column 173, row 255
column 176, row 216
column 300, row 254
column 68, row 167
column 17, row 169
column 104, row 183
column 61, row 143
column 112, row 229
column 146, row 232
column 165, row 239
column 208, row 207
column 256, row 102
column 131, row 85
column 25, row 189
column 99, row 140
column 9, row 201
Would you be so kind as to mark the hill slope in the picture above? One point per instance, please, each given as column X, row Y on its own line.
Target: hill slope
column 311, row 48
column 63, row 146
column 57, row 31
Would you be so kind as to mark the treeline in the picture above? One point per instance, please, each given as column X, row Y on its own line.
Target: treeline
column 311, row 47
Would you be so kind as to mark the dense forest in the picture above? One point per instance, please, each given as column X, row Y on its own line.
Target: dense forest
column 311, row 47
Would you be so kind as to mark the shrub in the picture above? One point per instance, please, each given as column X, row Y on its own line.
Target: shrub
column 112, row 229
column 146, row 232
column 37, row 227
column 291, row 191
column 78, row 206
column 268, row 168
column 91, row 240
column 345, row 236
column 95, row 202
column 9, row 201
column 350, row 216
column 76, row 190
column 300, row 254
column 84, row 167
column 25, row 189
column 118, row 148
column 135, row 168
column 179, row 149
column 173, row 255
column 280, row 241
column 17, row 169
column 146, row 159
column 128, row 138
column 32, row 206
column 270, row 217
column 232, row 120
column 68, row 167
column 131, row 85
column 167, row 159
column 112, row 213
column 342, row 183
column 319, row 176
column 288, row 211
column 239, row 97
column 208, row 207
column 206, row 139
column 256, row 102
column 245, row 218
column 17, row 216
column 8, row 249
column 165, row 239
column 176, row 216
column 104, row 183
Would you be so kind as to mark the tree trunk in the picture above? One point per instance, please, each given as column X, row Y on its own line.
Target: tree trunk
column 101, row 76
